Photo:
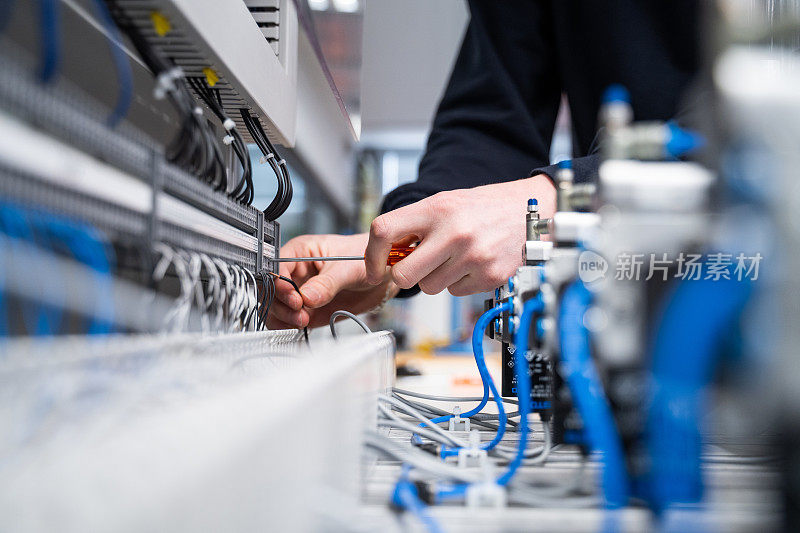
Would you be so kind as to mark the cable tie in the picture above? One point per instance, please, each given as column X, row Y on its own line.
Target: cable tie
column 198, row 111
column 282, row 163
column 229, row 124
column 165, row 82
column 228, row 139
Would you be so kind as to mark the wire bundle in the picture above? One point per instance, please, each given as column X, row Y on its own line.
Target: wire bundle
column 194, row 148
column 243, row 191
column 21, row 227
column 283, row 197
column 267, row 296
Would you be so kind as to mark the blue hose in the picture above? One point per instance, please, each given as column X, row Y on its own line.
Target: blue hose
column 587, row 393
column 121, row 63
column 488, row 383
column 530, row 307
column 686, row 346
column 406, row 497
column 50, row 34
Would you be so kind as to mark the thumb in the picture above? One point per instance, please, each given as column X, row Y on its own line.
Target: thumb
column 322, row 288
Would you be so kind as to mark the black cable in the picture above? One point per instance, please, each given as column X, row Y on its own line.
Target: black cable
column 283, row 197
column 243, row 191
column 194, row 148
column 268, row 298
column 296, row 288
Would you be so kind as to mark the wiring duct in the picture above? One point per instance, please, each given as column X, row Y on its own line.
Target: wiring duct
column 194, row 147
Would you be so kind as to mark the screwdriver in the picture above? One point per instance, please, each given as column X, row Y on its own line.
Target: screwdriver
column 395, row 255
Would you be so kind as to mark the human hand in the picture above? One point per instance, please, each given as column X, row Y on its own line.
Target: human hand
column 325, row 286
column 470, row 239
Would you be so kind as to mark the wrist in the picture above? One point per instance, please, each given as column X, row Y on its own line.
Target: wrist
column 539, row 187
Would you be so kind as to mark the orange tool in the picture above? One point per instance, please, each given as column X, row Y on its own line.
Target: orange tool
column 396, row 254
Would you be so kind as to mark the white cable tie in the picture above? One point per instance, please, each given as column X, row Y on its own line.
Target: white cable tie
column 282, row 163
column 228, row 139
column 165, row 82
column 198, row 111
column 229, row 124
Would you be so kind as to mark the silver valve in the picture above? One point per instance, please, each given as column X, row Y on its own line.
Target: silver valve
column 531, row 219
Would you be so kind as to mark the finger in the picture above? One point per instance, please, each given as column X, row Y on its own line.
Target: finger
column 284, row 292
column 350, row 301
column 274, row 323
column 288, row 315
column 322, row 288
column 428, row 256
column 465, row 286
column 442, row 277
column 389, row 228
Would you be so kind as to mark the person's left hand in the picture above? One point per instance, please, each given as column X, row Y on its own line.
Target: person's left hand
column 470, row 239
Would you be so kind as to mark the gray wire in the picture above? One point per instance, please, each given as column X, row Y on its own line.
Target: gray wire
column 435, row 411
column 533, row 456
column 418, row 459
column 408, row 426
column 348, row 314
column 450, row 398
column 416, row 414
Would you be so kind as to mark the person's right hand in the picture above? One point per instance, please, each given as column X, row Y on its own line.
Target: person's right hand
column 325, row 286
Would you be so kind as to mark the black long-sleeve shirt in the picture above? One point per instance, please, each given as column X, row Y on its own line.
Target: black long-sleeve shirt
column 496, row 118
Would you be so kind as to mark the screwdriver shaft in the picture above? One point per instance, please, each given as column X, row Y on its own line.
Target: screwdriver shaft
column 328, row 258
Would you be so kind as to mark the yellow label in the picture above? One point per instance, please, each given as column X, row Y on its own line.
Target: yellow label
column 211, row 77
column 160, row 23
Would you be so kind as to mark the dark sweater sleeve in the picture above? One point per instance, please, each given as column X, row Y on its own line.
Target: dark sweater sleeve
column 586, row 169
column 496, row 118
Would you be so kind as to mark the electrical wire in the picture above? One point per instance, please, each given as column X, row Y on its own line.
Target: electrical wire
column 243, row 191
column 418, row 459
column 587, row 393
column 50, row 39
column 351, row 316
column 530, row 307
column 449, row 439
column 399, row 423
column 488, row 383
column 193, row 148
column 530, row 456
column 268, row 292
column 283, row 196
column 121, row 63
column 433, row 397
column 433, row 411
column 297, row 289
column 406, row 497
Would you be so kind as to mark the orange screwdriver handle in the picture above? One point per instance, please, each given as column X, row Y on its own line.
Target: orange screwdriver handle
column 397, row 253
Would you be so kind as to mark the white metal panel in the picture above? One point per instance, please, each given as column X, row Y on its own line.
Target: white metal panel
column 230, row 39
